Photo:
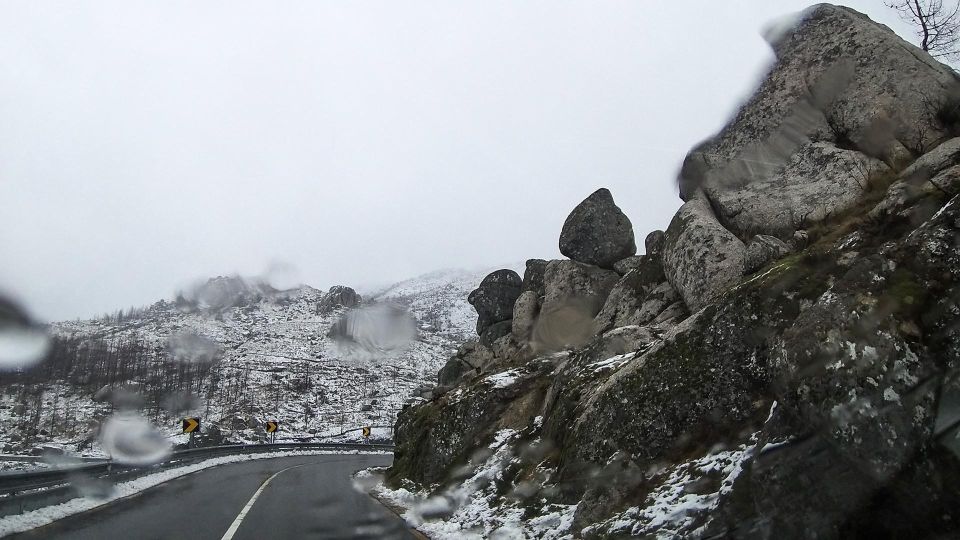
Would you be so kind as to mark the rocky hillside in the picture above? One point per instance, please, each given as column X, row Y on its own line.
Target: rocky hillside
column 781, row 362
column 237, row 353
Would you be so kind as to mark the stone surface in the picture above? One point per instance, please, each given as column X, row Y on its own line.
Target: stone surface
column 656, row 303
column 474, row 355
column 929, row 178
column 835, row 67
column 439, row 434
column 525, row 311
column 453, row 371
column 818, row 182
column 495, row 331
column 630, row 263
column 571, row 280
column 796, row 153
column 654, row 243
column 701, row 259
column 494, row 298
column 762, row 249
column 597, row 232
column 339, row 296
column 567, row 322
column 626, row 298
column 928, row 165
column 533, row 276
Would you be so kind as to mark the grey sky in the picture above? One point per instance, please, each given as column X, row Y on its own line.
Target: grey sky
column 147, row 144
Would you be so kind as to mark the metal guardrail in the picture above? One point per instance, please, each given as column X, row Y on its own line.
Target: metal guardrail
column 23, row 491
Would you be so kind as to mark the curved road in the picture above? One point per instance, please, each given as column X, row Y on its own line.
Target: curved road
column 306, row 497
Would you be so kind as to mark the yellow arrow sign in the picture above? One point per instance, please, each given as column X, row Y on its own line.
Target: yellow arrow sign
column 272, row 426
column 191, row 424
column 366, row 431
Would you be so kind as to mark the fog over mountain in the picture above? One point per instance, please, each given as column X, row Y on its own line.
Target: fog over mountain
column 143, row 146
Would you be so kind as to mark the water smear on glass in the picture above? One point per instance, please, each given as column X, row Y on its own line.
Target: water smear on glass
column 130, row 439
column 22, row 343
column 191, row 348
column 374, row 330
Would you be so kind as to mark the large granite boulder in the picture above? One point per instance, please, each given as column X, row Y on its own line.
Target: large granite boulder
column 818, row 182
column 494, row 298
column 597, row 232
column 339, row 296
column 838, row 90
column 701, row 258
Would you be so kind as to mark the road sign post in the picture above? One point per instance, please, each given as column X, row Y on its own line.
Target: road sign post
column 191, row 425
column 272, row 427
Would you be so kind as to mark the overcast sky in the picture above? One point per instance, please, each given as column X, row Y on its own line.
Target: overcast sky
column 144, row 145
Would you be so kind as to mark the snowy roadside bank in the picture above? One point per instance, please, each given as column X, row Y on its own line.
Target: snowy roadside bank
column 471, row 509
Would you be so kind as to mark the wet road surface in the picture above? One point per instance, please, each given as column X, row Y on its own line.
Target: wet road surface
column 288, row 497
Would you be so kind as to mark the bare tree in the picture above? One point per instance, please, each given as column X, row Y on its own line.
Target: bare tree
column 937, row 26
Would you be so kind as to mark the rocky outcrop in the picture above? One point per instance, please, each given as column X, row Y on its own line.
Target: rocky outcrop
column 814, row 399
column 438, row 434
column 494, row 298
column 597, row 232
column 701, row 258
column 797, row 152
column 339, row 297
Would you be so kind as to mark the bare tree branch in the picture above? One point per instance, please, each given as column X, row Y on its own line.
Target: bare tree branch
column 937, row 26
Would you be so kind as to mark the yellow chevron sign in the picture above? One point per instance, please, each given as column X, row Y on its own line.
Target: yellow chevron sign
column 272, row 426
column 191, row 424
column 366, row 431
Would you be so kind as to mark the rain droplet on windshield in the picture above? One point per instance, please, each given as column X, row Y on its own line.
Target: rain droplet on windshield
column 191, row 348
column 22, row 343
column 130, row 439
column 373, row 330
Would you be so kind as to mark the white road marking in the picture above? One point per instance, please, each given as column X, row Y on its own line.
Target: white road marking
column 243, row 513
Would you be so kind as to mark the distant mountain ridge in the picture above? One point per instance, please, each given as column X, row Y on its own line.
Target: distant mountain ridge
column 273, row 361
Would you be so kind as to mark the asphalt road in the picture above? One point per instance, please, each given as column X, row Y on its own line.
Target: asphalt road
column 306, row 497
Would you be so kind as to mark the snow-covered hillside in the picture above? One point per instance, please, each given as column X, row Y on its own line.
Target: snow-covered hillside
column 237, row 357
column 439, row 299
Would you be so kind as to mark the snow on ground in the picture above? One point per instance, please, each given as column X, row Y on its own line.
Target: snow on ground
column 502, row 379
column 18, row 465
column 673, row 509
column 613, row 362
column 473, row 509
column 277, row 363
column 44, row 516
